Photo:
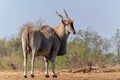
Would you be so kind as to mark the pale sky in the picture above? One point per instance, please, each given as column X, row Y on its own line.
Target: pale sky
column 103, row 16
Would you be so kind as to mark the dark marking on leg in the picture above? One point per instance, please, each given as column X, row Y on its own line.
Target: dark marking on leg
column 32, row 76
column 54, row 76
column 25, row 76
column 46, row 76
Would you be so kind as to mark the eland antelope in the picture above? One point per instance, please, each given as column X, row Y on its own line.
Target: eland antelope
column 47, row 42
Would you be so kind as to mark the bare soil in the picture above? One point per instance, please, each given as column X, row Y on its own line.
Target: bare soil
column 18, row 75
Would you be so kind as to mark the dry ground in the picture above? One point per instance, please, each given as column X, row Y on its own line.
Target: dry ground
column 18, row 75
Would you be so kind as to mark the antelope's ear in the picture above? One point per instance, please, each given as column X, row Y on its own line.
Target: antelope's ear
column 62, row 18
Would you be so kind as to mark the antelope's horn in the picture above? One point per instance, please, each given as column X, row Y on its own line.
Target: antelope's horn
column 60, row 15
column 66, row 15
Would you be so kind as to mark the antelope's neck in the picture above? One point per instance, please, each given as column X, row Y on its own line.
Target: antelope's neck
column 60, row 31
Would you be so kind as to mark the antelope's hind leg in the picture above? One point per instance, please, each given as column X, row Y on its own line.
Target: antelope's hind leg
column 34, row 52
column 46, row 67
column 25, row 54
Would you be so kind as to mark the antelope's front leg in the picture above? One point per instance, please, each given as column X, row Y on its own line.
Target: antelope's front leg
column 53, row 68
column 46, row 67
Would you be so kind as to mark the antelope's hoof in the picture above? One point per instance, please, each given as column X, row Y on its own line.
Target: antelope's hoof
column 46, row 76
column 32, row 76
column 54, row 76
column 25, row 76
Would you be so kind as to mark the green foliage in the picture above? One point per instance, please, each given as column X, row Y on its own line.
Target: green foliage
column 116, row 40
column 87, row 48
